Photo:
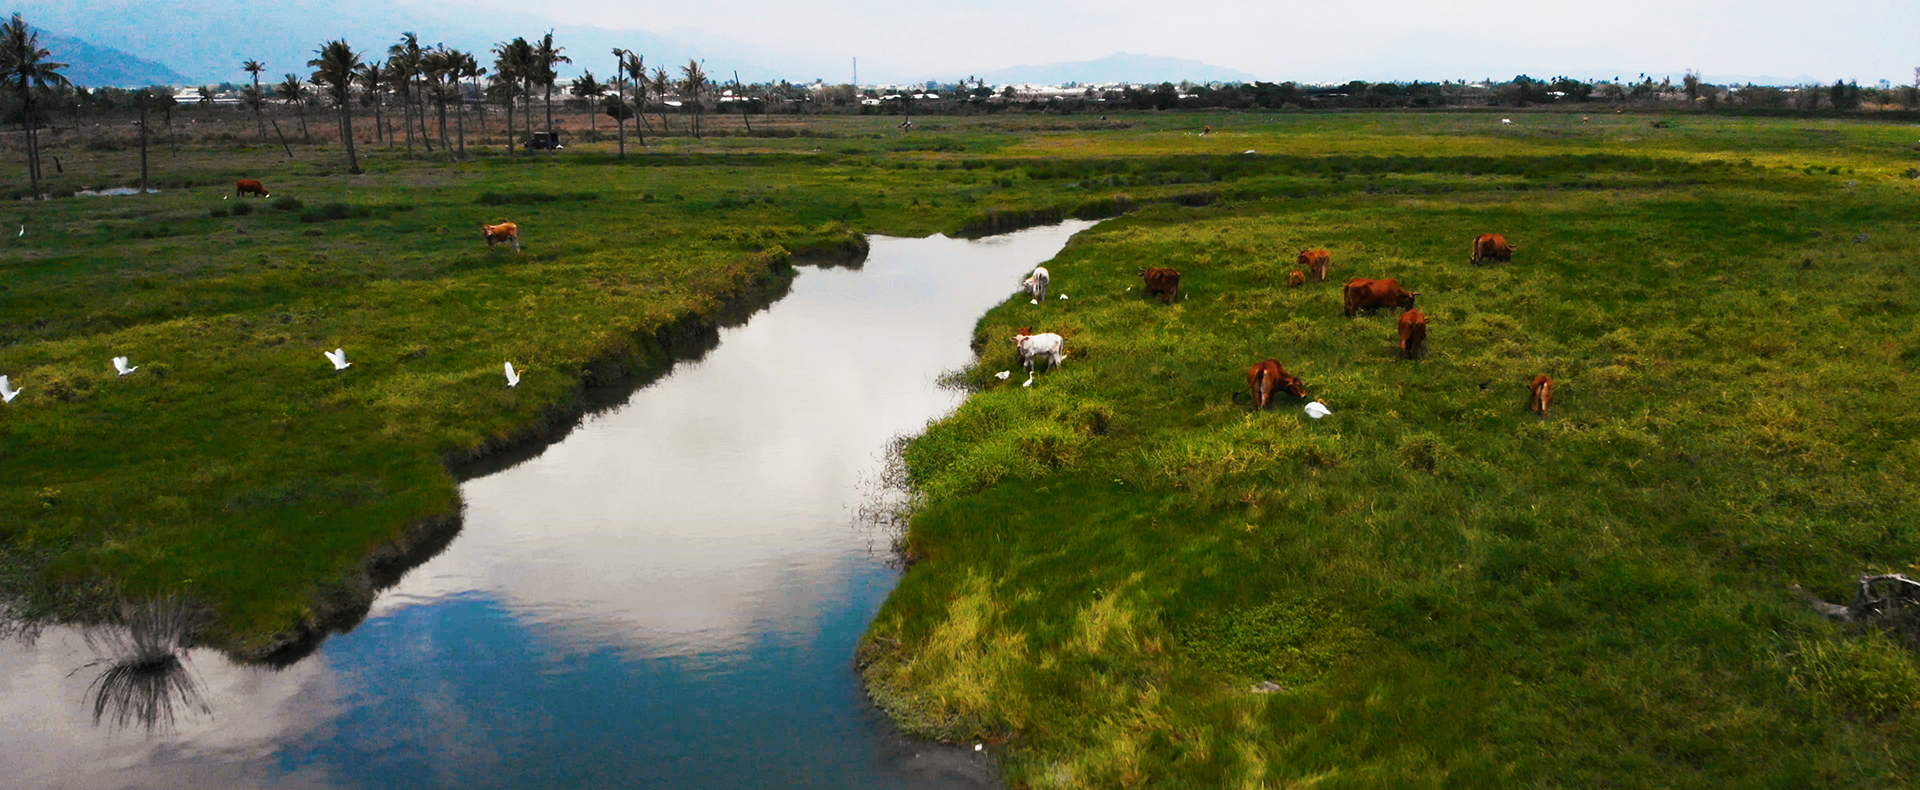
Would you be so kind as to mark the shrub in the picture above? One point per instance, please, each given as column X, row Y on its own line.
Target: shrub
column 242, row 209
column 217, row 212
column 286, row 203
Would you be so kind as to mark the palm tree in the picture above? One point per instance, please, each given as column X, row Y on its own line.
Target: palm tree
column 617, row 105
column 436, row 70
column 525, row 69
column 636, row 67
column 399, row 77
column 206, row 97
column 691, row 87
column 335, row 68
column 545, row 57
column 403, row 67
column 590, row 89
column 372, row 80
column 254, row 99
column 662, row 87
column 463, row 67
column 506, row 77
column 25, row 68
column 295, row 93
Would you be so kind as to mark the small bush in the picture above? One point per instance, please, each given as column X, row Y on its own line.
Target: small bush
column 242, row 209
column 217, row 212
column 286, row 203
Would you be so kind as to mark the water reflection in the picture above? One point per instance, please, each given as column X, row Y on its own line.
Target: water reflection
column 145, row 674
column 669, row 596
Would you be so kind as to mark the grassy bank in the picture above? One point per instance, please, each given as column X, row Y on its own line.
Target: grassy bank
column 1450, row 591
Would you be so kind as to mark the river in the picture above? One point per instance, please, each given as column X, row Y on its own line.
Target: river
column 669, row 596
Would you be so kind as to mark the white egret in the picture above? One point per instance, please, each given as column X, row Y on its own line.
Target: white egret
column 513, row 379
column 1028, row 382
column 1317, row 410
column 1033, row 301
column 120, row 364
column 1063, row 296
column 338, row 357
column 7, row 392
column 1002, row 375
column 1506, row 120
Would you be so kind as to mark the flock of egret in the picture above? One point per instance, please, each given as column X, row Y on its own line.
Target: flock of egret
column 337, row 356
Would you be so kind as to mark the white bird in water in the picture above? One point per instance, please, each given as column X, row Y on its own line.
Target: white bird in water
column 513, row 379
column 1317, row 410
column 120, row 364
column 338, row 357
column 7, row 392
column 1002, row 375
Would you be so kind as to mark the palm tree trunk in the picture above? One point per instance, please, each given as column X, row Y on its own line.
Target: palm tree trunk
column 346, row 132
column 406, row 117
column 143, row 145
column 444, row 145
column 420, row 114
column 460, row 124
column 506, row 135
column 379, row 133
column 306, row 137
column 549, row 110
column 33, row 148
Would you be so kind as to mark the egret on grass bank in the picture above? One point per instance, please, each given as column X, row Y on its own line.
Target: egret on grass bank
column 338, row 357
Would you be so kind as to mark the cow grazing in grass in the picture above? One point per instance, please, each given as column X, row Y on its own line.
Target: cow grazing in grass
column 503, row 233
column 1036, row 284
column 1048, row 346
column 248, row 186
column 1490, row 247
column 1413, row 334
column 1162, row 282
column 1366, row 294
column 1264, row 378
column 1542, row 396
column 1316, row 261
column 1295, row 279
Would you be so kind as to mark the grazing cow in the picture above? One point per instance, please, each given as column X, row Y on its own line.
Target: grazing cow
column 503, row 233
column 1316, row 261
column 1036, row 284
column 1490, row 247
column 1265, row 377
column 248, row 186
column 1206, row 130
column 1542, row 397
column 1366, row 294
column 1295, row 279
column 1023, row 331
column 1162, row 282
column 1048, row 346
column 1413, row 334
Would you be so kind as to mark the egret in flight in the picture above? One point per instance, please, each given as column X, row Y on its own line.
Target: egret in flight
column 338, row 357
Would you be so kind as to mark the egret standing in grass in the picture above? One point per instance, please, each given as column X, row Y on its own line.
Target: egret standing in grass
column 120, row 364
column 513, row 379
column 338, row 357
column 7, row 392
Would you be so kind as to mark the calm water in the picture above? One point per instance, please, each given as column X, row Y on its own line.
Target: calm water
column 668, row 597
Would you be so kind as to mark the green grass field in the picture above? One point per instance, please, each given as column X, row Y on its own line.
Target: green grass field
column 1451, row 591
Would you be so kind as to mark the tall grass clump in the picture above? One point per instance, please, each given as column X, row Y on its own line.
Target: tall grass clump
column 146, row 680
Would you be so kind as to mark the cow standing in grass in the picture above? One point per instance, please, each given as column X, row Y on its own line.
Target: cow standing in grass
column 1413, row 334
column 1162, row 282
column 1316, row 261
column 1542, row 397
column 1296, row 279
column 248, row 186
column 1490, row 247
column 503, row 233
column 1036, row 284
column 1265, row 377
column 1366, row 294
column 1047, row 346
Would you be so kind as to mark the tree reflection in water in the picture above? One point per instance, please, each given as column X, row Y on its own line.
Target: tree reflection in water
column 147, row 678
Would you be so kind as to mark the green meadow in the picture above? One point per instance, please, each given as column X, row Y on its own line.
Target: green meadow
column 1446, row 589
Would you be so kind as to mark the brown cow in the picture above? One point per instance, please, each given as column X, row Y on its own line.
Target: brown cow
column 1366, row 294
column 1296, row 279
column 1162, row 281
column 1542, row 397
column 1317, row 262
column 1265, row 377
column 1413, row 334
column 503, row 233
column 248, row 186
column 1490, row 247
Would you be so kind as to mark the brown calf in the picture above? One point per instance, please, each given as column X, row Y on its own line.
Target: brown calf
column 1162, row 282
column 1265, row 377
column 1490, row 247
column 1542, row 397
column 503, row 233
column 1366, row 294
column 1296, row 279
column 1413, row 334
column 1316, row 261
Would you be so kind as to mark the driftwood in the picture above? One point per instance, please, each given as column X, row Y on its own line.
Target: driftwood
column 1890, row 602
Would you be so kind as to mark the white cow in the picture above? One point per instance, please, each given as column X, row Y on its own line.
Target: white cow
column 1037, row 284
column 1048, row 346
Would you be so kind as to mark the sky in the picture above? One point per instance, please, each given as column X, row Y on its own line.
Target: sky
column 1301, row 40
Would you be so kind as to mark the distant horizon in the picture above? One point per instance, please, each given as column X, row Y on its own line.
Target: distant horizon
column 1770, row 42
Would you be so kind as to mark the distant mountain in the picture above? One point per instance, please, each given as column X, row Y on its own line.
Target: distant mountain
column 1117, row 67
column 99, row 67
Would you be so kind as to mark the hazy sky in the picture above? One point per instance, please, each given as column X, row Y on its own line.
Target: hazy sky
column 1313, row 39
column 1306, row 40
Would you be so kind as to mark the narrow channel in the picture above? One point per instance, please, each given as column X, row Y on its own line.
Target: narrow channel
column 670, row 596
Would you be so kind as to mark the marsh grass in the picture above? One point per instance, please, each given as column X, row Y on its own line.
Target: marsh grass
column 1454, row 592
column 146, row 680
